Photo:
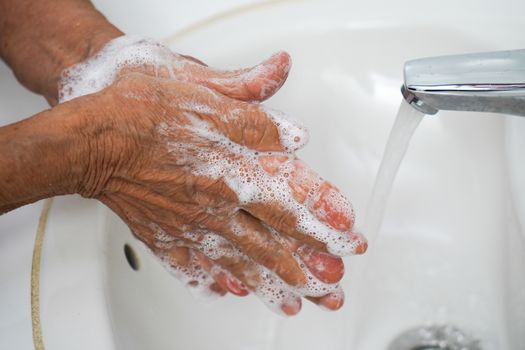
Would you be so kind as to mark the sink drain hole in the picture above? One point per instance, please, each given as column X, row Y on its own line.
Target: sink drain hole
column 131, row 257
column 438, row 337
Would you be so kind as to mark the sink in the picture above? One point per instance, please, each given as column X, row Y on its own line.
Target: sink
column 452, row 246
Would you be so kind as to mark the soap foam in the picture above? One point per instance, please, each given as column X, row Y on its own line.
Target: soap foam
column 238, row 166
column 240, row 169
column 272, row 290
column 102, row 69
column 125, row 52
column 193, row 276
column 293, row 135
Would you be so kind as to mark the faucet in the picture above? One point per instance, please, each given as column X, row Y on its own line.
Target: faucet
column 481, row 82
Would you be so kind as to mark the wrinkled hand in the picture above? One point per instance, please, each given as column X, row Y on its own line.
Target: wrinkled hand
column 211, row 185
column 135, row 55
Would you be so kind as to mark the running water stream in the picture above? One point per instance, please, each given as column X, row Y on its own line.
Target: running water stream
column 405, row 124
column 407, row 120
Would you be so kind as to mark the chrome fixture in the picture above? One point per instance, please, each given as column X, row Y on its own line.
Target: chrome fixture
column 481, row 82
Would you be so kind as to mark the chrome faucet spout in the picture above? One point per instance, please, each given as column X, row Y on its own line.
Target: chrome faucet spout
column 482, row 82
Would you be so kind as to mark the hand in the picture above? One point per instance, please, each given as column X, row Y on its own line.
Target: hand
column 128, row 54
column 114, row 137
column 257, row 84
column 162, row 157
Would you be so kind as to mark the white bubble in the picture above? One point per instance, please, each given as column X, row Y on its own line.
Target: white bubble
column 220, row 158
column 101, row 70
column 240, row 168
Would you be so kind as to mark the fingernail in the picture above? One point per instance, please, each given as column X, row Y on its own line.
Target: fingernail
column 281, row 62
column 292, row 307
column 236, row 287
column 326, row 267
column 332, row 301
column 361, row 248
column 361, row 242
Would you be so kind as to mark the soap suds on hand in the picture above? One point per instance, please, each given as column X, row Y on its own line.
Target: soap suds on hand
column 239, row 167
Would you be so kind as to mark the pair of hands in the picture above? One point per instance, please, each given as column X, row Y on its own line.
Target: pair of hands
column 207, row 178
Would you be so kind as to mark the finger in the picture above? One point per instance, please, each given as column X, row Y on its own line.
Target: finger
column 246, row 124
column 191, row 273
column 180, row 260
column 251, row 84
column 272, row 291
column 268, row 287
column 322, row 199
column 226, row 280
column 292, row 307
column 230, row 283
column 257, row 242
column 308, row 208
column 331, row 301
column 217, row 289
column 177, row 257
column 326, row 267
column 237, row 264
column 252, row 239
column 264, row 283
column 243, row 230
column 216, row 250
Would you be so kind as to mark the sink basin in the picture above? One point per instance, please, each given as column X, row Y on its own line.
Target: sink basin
column 451, row 249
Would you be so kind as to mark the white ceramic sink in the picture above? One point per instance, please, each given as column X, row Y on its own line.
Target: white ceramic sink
column 451, row 250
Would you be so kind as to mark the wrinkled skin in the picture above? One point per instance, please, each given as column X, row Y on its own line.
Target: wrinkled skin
column 154, row 188
column 114, row 145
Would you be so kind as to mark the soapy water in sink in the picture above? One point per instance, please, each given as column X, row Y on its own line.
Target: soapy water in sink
column 405, row 124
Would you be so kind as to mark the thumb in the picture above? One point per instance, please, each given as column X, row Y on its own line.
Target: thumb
column 257, row 83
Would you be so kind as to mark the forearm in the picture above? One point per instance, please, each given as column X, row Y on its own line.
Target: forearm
column 40, row 157
column 40, row 38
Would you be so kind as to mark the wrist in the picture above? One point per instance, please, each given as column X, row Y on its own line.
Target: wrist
column 43, row 156
column 39, row 39
column 87, row 41
column 105, row 145
column 74, row 148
